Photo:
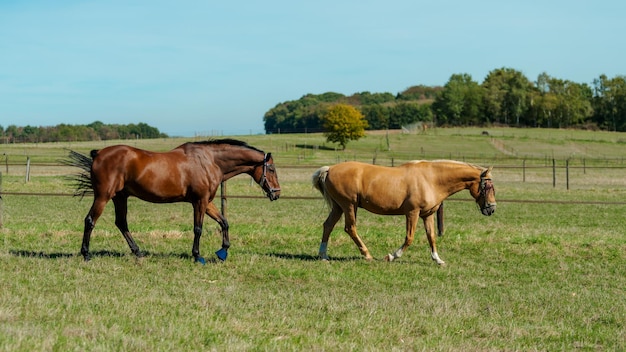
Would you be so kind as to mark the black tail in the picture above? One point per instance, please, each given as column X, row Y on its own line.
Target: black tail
column 82, row 179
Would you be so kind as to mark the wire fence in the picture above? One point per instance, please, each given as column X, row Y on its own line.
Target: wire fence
column 554, row 171
column 557, row 172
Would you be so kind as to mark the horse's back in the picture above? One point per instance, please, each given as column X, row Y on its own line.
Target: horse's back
column 355, row 172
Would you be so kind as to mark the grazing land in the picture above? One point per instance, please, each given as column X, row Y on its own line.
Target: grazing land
column 545, row 272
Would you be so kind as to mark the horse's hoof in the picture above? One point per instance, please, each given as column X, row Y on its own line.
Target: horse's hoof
column 201, row 260
column 388, row 258
column 222, row 254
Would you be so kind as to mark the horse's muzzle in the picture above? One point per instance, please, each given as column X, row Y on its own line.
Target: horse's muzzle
column 273, row 194
column 489, row 209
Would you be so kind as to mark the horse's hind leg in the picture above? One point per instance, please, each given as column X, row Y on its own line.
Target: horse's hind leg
column 121, row 210
column 329, row 224
column 90, row 222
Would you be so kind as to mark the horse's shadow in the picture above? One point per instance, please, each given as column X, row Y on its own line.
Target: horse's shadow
column 60, row 255
column 40, row 254
column 185, row 256
column 311, row 258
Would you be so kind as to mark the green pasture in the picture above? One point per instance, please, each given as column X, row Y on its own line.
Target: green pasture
column 545, row 272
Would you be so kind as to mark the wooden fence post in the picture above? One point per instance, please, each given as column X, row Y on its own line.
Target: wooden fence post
column 567, row 174
column 553, row 173
column 28, row 169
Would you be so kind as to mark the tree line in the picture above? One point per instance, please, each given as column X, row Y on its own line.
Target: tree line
column 64, row 133
column 506, row 97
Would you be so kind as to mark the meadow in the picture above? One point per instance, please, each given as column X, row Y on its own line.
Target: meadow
column 545, row 272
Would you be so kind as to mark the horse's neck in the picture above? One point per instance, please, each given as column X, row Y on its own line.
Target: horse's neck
column 234, row 161
column 459, row 178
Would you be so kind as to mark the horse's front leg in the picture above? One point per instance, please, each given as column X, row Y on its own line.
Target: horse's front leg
column 429, row 226
column 411, row 223
column 216, row 215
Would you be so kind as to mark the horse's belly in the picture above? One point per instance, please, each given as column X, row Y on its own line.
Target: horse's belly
column 156, row 193
column 391, row 208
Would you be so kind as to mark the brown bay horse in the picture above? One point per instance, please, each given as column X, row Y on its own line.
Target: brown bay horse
column 415, row 189
column 189, row 173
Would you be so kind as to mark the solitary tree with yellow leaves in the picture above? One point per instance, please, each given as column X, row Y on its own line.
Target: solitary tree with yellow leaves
column 343, row 123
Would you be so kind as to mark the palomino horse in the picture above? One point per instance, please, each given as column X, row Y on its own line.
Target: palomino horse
column 414, row 189
column 189, row 173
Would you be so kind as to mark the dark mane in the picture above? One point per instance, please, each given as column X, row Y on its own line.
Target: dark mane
column 228, row 141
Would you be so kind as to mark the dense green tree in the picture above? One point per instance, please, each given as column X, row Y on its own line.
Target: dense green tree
column 408, row 112
column 299, row 115
column 609, row 102
column 506, row 96
column 377, row 116
column 420, row 92
column 66, row 132
column 367, row 98
column 459, row 103
column 558, row 103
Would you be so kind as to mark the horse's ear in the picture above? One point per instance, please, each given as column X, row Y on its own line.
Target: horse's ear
column 487, row 171
column 268, row 156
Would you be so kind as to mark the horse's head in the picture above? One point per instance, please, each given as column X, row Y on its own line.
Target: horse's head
column 486, row 194
column 265, row 175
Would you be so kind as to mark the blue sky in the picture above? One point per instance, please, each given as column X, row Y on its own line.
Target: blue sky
column 206, row 67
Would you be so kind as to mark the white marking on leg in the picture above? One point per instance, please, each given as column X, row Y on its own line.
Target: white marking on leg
column 397, row 254
column 322, row 253
column 436, row 258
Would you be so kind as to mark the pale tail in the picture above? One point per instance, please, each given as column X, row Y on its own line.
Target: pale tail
column 319, row 182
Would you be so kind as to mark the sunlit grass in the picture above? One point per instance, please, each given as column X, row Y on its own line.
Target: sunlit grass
column 546, row 274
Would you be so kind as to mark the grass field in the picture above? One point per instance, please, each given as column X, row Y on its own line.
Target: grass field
column 545, row 272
